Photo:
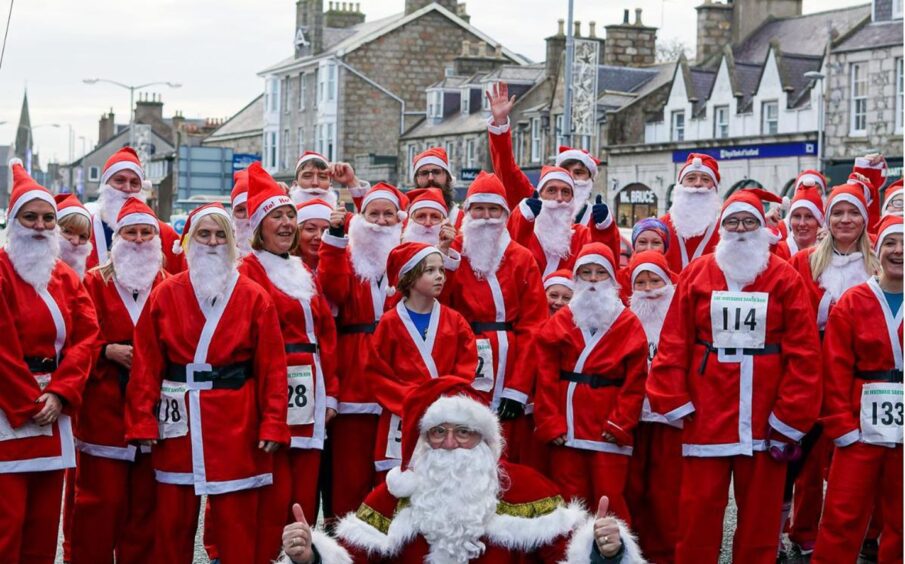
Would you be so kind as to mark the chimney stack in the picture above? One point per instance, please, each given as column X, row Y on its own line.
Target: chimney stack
column 343, row 15
column 309, row 27
column 714, row 29
column 592, row 30
column 630, row 44
column 106, row 128
column 638, row 16
column 556, row 45
column 577, row 31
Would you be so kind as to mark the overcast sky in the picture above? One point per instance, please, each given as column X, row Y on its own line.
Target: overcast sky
column 214, row 48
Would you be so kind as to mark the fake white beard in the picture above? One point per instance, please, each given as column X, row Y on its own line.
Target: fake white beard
column 244, row 234
column 553, row 228
column 743, row 256
column 135, row 265
column 455, row 498
column 288, row 274
column 33, row 259
column 483, row 242
column 844, row 272
column 650, row 307
column 210, row 270
column 693, row 210
column 595, row 305
column 301, row 195
column 370, row 245
column 417, row 233
column 582, row 192
column 74, row 255
column 111, row 202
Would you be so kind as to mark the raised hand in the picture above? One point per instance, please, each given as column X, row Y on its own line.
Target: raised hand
column 599, row 211
column 606, row 530
column 500, row 102
column 344, row 174
column 534, row 203
column 447, row 235
column 297, row 538
column 338, row 215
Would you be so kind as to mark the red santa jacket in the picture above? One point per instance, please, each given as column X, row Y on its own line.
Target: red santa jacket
column 177, row 342
column 309, row 336
column 862, row 345
column 360, row 303
column 737, row 394
column 48, row 345
column 504, row 310
column 102, row 429
column 682, row 251
column 400, row 357
column 589, row 385
column 173, row 263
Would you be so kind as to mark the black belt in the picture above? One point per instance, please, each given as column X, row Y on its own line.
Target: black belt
column 301, row 348
column 769, row 348
column 39, row 365
column 229, row 377
column 481, row 327
column 892, row 375
column 367, row 328
column 593, row 380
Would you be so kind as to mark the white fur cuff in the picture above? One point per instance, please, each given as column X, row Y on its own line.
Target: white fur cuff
column 579, row 550
column 331, row 552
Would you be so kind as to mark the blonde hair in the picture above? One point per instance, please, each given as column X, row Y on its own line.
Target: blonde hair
column 223, row 223
column 822, row 257
column 76, row 222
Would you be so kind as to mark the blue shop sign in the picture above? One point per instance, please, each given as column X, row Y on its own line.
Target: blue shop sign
column 241, row 161
column 773, row 150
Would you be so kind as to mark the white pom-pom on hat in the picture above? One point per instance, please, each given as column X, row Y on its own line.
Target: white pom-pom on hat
column 401, row 483
column 177, row 247
column 15, row 161
column 402, row 215
column 697, row 161
column 786, row 204
column 808, row 181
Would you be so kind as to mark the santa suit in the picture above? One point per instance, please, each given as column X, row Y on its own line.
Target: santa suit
column 179, row 343
column 102, row 240
column 589, row 385
column 682, row 251
column 400, row 357
column 115, row 479
column 309, row 336
column 737, row 396
column 863, row 351
column 48, row 345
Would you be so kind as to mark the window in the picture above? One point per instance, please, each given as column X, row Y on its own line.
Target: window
column 465, row 101
column 329, row 142
column 318, row 140
column 286, row 87
column 720, row 122
column 469, row 153
column 300, row 138
column 896, row 9
column 450, row 149
column 769, row 118
column 859, row 99
column 320, row 86
column 535, row 140
column 94, row 173
column 559, row 137
column 317, row 84
column 412, row 151
column 678, row 126
column 331, row 83
column 274, row 95
column 303, row 90
column 285, row 150
column 485, row 104
column 900, row 95
column 435, row 104
column 270, row 149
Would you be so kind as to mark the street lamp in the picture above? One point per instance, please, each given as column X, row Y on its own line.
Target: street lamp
column 28, row 141
column 818, row 76
column 131, row 89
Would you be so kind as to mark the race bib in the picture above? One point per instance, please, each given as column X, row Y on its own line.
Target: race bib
column 301, row 395
column 172, row 415
column 30, row 429
column 739, row 319
column 394, row 438
column 881, row 413
column 483, row 380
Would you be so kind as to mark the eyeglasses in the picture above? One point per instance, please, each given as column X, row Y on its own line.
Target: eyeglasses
column 748, row 223
column 426, row 173
column 462, row 434
column 895, row 204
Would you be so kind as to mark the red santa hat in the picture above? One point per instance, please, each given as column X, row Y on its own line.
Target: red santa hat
column 876, row 172
column 560, row 277
column 891, row 191
column 596, row 253
column 384, row 191
column 749, row 200
column 308, row 156
column 404, row 257
column 433, row 156
column 851, row 193
column 486, row 189
column 580, row 155
column 809, row 198
column 699, row 162
column 124, row 159
column 889, row 225
column 25, row 189
column 550, row 173
column 196, row 214
column 69, row 204
column 313, row 209
column 264, row 195
column 651, row 261
column 427, row 198
column 136, row 212
column 811, row 178
column 239, row 195
column 866, row 186
column 447, row 399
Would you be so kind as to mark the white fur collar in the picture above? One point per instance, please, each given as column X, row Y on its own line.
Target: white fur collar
column 288, row 274
column 844, row 272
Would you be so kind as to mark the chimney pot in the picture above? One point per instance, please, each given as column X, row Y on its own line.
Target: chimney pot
column 466, row 47
column 592, row 31
column 625, row 16
column 344, row 7
column 561, row 26
column 358, row 7
column 577, row 32
column 638, row 16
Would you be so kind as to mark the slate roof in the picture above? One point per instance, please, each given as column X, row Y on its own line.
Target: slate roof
column 622, row 79
column 872, row 36
column 246, row 121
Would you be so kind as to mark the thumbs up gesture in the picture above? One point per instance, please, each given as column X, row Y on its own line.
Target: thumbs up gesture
column 606, row 530
column 297, row 538
column 599, row 211
column 534, row 203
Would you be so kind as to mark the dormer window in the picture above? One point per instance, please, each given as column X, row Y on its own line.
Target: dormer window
column 435, row 104
column 485, row 104
column 464, row 101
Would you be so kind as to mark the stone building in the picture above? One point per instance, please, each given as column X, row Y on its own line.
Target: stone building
column 242, row 132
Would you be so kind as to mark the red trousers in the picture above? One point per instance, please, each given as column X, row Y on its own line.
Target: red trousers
column 353, row 460
column 516, row 436
column 30, row 504
column 233, row 516
column 68, row 508
column 858, row 472
column 652, row 490
column 586, row 475
column 295, row 473
column 808, row 496
column 114, row 503
column 758, row 481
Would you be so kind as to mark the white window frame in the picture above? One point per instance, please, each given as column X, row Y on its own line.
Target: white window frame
column 94, row 173
column 469, row 153
column 435, row 104
column 270, row 149
column 318, row 140
column 720, row 127
column 284, row 153
column 559, row 132
column 331, row 83
column 677, row 131
column 300, row 140
column 900, row 94
column 465, row 101
column 769, row 125
column 450, row 147
column 858, row 108
column 330, row 142
column 411, row 151
column 321, row 79
column 536, row 145
column 274, row 106
column 317, row 88
column 303, row 89
column 485, row 103
column 286, row 88
column 896, row 9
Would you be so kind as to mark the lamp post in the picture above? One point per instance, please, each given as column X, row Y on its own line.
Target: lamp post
column 567, row 98
column 814, row 75
column 131, row 89
column 28, row 151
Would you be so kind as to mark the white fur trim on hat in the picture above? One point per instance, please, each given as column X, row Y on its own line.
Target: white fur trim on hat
column 567, row 282
column 850, row 199
column 430, row 160
column 810, row 206
column 422, row 204
column 29, row 196
column 122, row 165
column 891, row 230
column 268, row 206
column 650, row 267
column 380, row 195
column 864, row 162
column 71, row 210
column 305, row 158
column 240, row 199
column 462, row 410
column 595, row 259
column 576, row 155
column 486, row 198
column 555, row 175
column 892, row 194
column 736, row 207
column 418, row 257
column 137, row 219
column 697, row 165
column 314, row 211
